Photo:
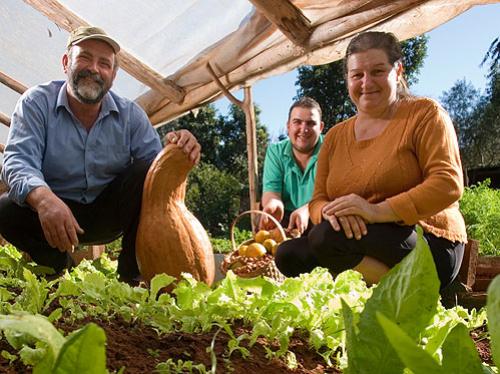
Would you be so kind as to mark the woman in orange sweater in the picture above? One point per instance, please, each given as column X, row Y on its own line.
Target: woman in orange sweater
column 390, row 167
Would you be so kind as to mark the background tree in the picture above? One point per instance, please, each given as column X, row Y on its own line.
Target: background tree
column 214, row 197
column 476, row 116
column 218, row 187
column 326, row 83
column 223, row 138
column 487, row 148
column 461, row 102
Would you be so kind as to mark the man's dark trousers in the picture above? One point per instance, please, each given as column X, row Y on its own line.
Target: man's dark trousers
column 113, row 213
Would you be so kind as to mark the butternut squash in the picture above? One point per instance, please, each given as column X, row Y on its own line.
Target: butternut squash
column 169, row 238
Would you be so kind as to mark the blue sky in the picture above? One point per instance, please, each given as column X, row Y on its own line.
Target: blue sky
column 455, row 51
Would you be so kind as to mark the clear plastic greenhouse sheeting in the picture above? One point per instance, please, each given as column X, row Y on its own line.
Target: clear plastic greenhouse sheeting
column 163, row 34
column 178, row 38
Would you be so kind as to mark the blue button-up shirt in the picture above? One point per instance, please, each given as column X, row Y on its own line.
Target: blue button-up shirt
column 48, row 146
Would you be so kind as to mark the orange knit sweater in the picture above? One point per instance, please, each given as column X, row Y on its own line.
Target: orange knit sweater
column 414, row 165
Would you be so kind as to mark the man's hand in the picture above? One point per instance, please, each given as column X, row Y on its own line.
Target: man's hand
column 299, row 218
column 187, row 142
column 58, row 223
column 275, row 208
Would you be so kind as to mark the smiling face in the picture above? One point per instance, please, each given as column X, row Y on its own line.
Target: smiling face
column 90, row 67
column 304, row 128
column 372, row 81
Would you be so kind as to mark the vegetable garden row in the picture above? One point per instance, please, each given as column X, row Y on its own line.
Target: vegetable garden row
column 349, row 327
column 88, row 322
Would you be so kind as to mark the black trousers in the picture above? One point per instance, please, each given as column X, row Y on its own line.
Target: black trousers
column 113, row 213
column 386, row 242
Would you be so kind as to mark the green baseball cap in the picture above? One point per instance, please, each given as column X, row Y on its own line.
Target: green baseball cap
column 82, row 33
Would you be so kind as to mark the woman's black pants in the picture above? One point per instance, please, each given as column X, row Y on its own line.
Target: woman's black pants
column 386, row 242
column 113, row 213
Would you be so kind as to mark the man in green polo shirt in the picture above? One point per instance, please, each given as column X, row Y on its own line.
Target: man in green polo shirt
column 290, row 167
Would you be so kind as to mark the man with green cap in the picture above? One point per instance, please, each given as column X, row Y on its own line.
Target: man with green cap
column 76, row 158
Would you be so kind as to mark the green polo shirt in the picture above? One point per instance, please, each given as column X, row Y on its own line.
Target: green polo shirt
column 282, row 174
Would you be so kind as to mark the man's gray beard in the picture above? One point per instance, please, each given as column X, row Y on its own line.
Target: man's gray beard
column 86, row 92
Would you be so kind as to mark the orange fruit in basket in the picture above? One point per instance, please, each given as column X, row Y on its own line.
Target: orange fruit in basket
column 276, row 235
column 274, row 249
column 269, row 244
column 242, row 250
column 255, row 250
column 261, row 236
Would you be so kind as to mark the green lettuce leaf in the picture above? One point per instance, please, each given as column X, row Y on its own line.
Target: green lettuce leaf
column 493, row 309
column 459, row 352
column 408, row 296
column 415, row 358
column 83, row 352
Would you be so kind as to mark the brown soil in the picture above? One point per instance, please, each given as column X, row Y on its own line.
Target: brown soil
column 482, row 344
column 139, row 349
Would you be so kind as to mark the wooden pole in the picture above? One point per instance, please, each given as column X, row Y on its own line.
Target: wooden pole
column 12, row 83
column 66, row 19
column 251, row 132
column 288, row 18
column 5, row 119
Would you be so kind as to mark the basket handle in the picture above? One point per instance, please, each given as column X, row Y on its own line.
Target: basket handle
column 275, row 221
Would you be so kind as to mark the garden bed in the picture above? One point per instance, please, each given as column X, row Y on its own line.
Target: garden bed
column 309, row 324
column 138, row 349
column 476, row 274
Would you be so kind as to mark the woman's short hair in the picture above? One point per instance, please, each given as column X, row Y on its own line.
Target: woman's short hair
column 385, row 41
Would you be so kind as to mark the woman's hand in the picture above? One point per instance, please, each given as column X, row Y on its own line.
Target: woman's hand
column 353, row 226
column 187, row 142
column 352, row 204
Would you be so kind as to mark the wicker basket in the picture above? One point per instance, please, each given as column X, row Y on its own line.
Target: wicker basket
column 251, row 267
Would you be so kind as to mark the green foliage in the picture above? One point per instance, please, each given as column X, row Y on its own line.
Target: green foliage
column 218, row 188
column 56, row 354
column 181, row 367
column 83, row 352
column 386, row 339
column 224, row 245
column 461, row 102
column 459, row 352
column 222, row 138
column 327, row 85
column 337, row 316
column 407, row 295
column 414, row 53
column 213, row 196
column 477, row 121
column 493, row 308
column 477, row 116
column 480, row 206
